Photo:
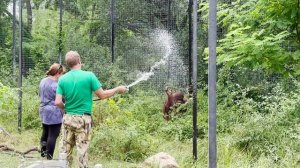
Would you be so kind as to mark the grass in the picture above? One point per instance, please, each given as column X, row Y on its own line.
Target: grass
column 128, row 130
column 29, row 139
column 228, row 155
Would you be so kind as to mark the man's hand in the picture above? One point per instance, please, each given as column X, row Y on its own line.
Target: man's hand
column 104, row 94
column 122, row 89
column 59, row 102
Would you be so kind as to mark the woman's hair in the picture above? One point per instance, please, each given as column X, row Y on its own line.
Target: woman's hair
column 55, row 69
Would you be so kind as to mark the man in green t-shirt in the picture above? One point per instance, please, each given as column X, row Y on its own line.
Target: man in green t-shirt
column 77, row 87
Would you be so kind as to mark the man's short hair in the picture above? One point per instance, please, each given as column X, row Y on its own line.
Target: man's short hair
column 72, row 58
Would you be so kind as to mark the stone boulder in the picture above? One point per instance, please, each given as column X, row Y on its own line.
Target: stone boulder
column 160, row 160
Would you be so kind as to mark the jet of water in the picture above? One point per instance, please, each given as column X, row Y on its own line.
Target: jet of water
column 166, row 42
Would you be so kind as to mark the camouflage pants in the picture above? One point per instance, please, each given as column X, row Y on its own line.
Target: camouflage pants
column 76, row 131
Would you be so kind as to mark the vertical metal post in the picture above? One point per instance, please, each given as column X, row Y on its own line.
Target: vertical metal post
column 20, row 67
column 169, row 29
column 14, row 39
column 195, row 64
column 212, row 43
column 112, row 12
column 190, row 40
column 60, row 31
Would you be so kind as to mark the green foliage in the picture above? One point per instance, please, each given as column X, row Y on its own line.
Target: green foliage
column 5, row 68
column 255, row 40
column 240, row 49
column 262, row 123
column 130, row 129
column 8, row 99
column 8, row 106
column 118, row 134
column 5, row 44
column 114, row 143
column 95, row 57
column 3, row 5
column 31, row 102
column 179, row 128
column 257, row 114
column 43, row 48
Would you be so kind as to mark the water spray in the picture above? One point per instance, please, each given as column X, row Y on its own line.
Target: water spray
column 165, row 43
column 164, row 39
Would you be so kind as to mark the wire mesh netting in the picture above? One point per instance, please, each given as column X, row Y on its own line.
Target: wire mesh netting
column 140, row 43
column 140, row 37
column 154, row 51
column 144, row 43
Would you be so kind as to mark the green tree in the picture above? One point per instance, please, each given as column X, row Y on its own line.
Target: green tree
column 260, row 34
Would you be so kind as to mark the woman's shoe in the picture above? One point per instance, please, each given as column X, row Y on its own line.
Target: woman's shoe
column 43, row 149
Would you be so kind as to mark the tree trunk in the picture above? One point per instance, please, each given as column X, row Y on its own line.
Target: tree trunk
column 29, row 15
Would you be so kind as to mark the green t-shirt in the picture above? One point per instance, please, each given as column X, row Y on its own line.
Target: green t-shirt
column 77, row 87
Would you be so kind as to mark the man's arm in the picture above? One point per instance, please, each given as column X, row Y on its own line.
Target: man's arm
column 104, row 94
column 59, row 102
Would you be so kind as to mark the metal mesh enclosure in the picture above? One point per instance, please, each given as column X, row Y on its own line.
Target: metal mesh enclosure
column 142, row 42
column 6, row 36
column 141, row 38
column 121, row 41
column 147, row 45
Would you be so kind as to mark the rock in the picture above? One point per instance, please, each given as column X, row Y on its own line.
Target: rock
column 98, row 166
column 160, row 160
column 47, row 164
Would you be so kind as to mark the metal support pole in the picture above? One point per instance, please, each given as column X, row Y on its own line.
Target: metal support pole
column 20, row 67
column 112, row 12
column 168, row 27
column 190, row 40
column 212, row 43
column 195, row 64
column 60, row 31
column 14, row 39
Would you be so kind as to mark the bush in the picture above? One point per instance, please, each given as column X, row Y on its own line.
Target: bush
column 8, row 105
column 31, row 101
column 273, row 133
column 126, row 143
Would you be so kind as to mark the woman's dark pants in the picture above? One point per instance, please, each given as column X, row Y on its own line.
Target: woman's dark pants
column 48, row 139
